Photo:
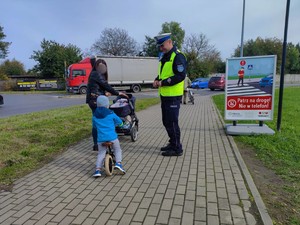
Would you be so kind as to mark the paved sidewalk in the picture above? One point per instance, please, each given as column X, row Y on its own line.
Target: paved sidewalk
column 204, row 186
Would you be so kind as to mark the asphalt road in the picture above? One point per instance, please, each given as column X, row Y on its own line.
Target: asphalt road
column 16, row 104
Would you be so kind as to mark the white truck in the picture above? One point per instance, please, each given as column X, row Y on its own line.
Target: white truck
column 125, row 72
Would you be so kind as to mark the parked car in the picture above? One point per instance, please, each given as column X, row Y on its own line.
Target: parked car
column 217, row 82
column 200, row 83
column 1, row 100
column 266, row 81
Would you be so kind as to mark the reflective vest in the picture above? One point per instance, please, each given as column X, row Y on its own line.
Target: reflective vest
column 165, row 73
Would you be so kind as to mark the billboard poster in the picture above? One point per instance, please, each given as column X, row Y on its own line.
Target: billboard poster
column 250, row 88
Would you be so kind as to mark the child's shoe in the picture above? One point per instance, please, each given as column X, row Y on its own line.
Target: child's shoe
column 119, row 167
column 97, row 173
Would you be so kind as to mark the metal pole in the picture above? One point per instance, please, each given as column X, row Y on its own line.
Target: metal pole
column 242, row 36
column 283, row 65
column 242, row 42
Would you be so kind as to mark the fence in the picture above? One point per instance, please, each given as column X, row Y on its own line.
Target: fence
column 28, row 84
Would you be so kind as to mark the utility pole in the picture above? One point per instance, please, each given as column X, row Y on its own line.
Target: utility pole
column 242, row 35
column 283, row 65
column 242, row 42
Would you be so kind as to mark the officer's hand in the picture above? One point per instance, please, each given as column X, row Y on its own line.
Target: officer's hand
column 155, row 84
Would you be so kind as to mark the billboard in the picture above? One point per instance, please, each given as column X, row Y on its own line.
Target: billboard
column 250, row 88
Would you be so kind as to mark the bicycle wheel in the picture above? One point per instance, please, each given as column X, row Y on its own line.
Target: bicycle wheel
column 108, row 164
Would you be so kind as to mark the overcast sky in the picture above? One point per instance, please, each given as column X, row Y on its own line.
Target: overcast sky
column 80, row 22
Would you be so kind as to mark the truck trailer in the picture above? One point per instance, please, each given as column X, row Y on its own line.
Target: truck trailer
column 124, row 72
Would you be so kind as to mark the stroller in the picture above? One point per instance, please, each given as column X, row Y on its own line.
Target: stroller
column 125, row 109
column 191, row 95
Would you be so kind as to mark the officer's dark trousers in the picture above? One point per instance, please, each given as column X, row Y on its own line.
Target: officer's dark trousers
column 170, row 113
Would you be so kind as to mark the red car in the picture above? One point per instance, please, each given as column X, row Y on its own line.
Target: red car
column 217, row 82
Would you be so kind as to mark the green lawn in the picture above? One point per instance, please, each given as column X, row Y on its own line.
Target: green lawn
column 245, row 77
column 29, row 141
column 280, row 152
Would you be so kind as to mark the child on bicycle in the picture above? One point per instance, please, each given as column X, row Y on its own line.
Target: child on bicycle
column 105, row 121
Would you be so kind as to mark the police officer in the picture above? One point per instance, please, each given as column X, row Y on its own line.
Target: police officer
column 170, row 81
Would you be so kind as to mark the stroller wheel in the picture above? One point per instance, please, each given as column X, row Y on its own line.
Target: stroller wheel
column 108, row 165
column 134, row 133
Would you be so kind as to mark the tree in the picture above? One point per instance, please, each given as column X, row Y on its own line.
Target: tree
column 53, row 57
column 115, row 42
column 177, row 32
column 272, row 46
column 3, row 45
column 149, row 47
column 13, row 67
column 202, row 57
column 292, row 59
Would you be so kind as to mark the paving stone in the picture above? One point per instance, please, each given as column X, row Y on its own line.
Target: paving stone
column 212, row 208
column 140, row 215
column 153, row 210
column 60, row 216
column 163, row 217
column 117, row 215
column 177, row 211
column 213, row 220
column 225, row 217
column 200, row 214
column 126, row 219
column 149, row 220
column 81, row 217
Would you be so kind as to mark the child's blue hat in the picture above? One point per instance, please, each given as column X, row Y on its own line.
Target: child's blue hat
column 102, row 101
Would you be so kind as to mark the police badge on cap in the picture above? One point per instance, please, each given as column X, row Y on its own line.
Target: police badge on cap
column 161, row 38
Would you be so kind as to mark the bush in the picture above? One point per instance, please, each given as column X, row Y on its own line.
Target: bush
column 8, row 85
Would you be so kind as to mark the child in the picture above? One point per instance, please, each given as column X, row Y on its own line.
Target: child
column 105, row 121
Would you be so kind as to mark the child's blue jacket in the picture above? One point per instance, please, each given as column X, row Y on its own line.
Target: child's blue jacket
column 105, row 121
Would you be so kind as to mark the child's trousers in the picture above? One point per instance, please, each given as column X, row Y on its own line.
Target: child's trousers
column 102, row 151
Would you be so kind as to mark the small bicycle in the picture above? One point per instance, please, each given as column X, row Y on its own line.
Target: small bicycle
column 110, row 159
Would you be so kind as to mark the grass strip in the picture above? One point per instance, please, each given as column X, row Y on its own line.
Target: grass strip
column 279, row 152
column 29, row 141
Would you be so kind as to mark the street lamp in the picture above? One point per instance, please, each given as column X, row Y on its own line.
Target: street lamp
column 283, row 65
column 242, row 42
column 242, row 35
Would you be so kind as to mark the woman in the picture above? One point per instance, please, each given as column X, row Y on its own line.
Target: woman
column 98, row 85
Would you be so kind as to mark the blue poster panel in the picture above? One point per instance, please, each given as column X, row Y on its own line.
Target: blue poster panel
column 250, row 88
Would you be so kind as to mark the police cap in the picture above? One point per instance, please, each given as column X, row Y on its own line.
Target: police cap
column 161, row 38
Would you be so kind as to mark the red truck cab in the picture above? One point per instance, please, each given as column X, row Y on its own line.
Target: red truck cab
column 77, row 76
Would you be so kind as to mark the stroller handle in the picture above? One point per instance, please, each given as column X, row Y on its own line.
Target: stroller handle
column 126, row 95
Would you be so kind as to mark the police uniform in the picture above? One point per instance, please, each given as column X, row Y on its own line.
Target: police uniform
column 171, row 73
